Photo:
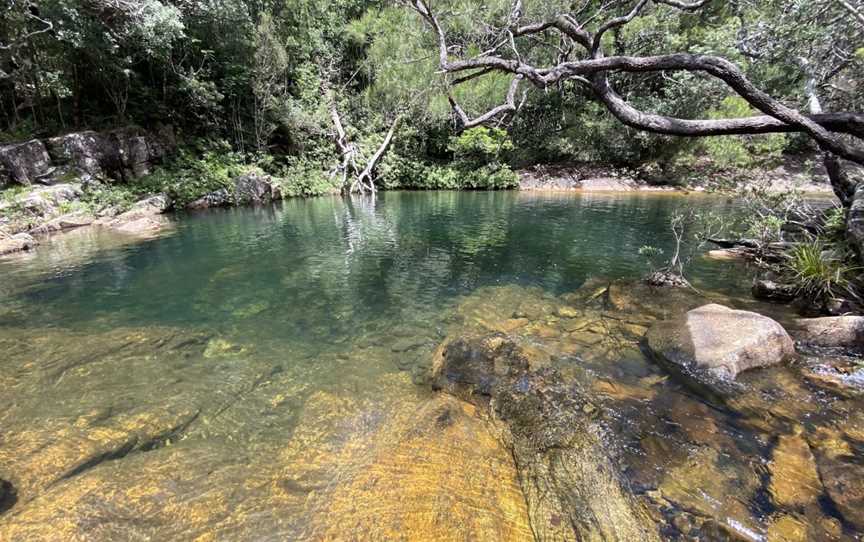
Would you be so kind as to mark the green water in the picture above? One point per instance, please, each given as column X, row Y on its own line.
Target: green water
column 316, row 270
column 260, row 373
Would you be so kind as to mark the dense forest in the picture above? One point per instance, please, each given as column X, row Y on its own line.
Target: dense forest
column 263, row 78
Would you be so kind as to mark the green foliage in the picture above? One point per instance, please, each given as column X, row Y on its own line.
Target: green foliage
column 195, row 172
column 481, row 145
column 818, row 273
column 768, row 211
column 118, row 198
column 737, row 151
column 835, row 223
column 653, row 256
column 306, row 177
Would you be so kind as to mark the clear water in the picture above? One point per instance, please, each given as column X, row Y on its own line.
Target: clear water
column 241, row 376
column 315, row 270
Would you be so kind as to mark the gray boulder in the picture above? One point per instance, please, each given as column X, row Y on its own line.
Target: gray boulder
column 709, row 346
column 45, row 201
column 82, row 152
column 768, row 290
column 143, row 216
column 253, row 188
column 24, row 163
column 831, row 331
column 219, row 198
column 119, row 154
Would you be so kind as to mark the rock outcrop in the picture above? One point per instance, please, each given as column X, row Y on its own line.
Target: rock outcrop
column 24, row 163
column 570, row 482
column 710, row 345
column 832, row 331
column 768, row 290
column 114, row 156
column 253, row 188
column 250, row 188
column 17, row 243
column 219, row 198
column 143, row 218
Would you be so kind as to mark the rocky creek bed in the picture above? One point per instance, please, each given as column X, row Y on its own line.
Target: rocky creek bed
column 237, row 379
column 525, row 416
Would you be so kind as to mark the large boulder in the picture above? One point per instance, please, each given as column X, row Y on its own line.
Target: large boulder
column 831, row 331
column 253, row 188
column 24, row 163
column 83, row 153
column 709, row 346
column 120, row 154
column 218, row 198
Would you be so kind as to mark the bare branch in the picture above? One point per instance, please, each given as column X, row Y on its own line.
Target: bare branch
column 686, row 6
column 20, row 42
column 853, row 10
column 615, row 23
column 762, row 124
column 597, row 67
column 508, row 106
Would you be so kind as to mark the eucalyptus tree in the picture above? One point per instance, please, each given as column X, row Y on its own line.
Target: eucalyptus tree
column 548, row 44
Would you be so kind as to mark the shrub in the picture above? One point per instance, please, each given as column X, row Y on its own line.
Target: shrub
column 306, row 177
column 818, row 274
column 741, row 151
column 481, row 145
column 195, row 172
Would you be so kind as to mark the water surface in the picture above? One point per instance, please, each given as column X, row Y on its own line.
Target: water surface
column 259, row 373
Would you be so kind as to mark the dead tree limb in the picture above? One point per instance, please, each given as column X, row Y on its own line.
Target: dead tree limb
column 353, row 178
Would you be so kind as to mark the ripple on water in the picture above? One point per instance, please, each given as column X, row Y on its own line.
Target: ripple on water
column 255, row 373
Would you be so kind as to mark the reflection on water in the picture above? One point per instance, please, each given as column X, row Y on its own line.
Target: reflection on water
column 260, row 373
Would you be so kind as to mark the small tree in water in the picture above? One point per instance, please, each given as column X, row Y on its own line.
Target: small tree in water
column 690, row 231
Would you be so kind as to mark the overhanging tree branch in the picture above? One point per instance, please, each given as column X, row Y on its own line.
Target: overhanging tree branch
column 594, row 69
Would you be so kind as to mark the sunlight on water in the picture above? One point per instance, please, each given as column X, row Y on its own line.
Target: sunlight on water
column 262, row 373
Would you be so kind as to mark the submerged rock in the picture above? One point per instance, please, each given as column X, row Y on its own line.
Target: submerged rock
column 729, row 254
column 709, row 346
column 845, row 485
column 831, row 331
column 794, row 478
column 768, row 290
column 570, row 482
column 8, row 496
column 704, row 484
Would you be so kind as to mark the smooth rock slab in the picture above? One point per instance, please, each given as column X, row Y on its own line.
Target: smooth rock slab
column 709, row 346
column 570, row 482
column 832, row 331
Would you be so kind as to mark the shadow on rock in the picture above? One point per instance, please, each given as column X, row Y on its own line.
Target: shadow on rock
column 8, row 496
column 567, row 471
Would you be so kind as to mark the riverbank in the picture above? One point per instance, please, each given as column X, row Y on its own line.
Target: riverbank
column 128, row 179
column 802, row 173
